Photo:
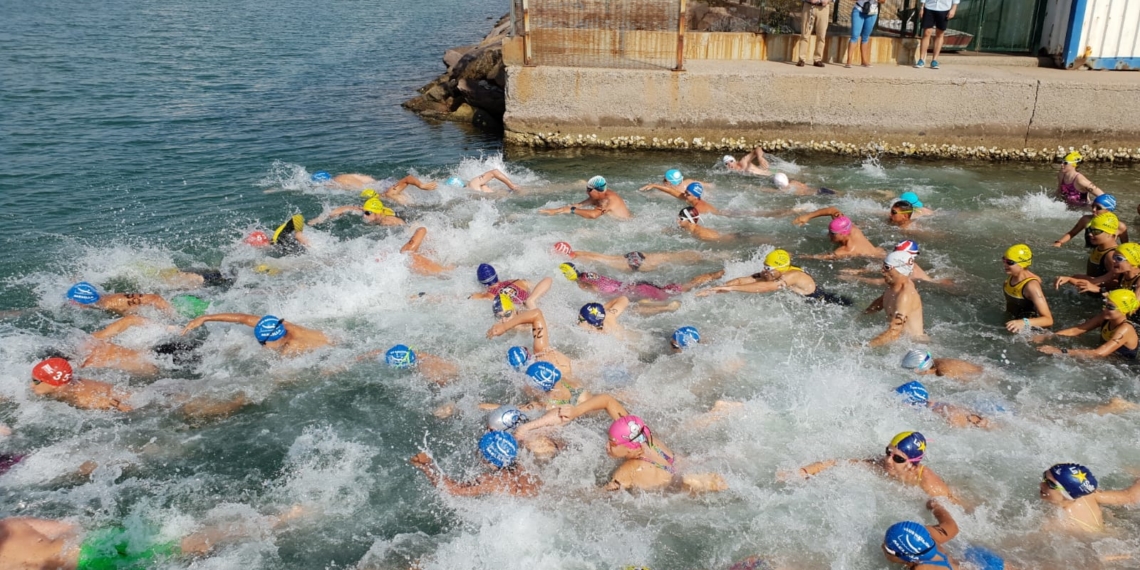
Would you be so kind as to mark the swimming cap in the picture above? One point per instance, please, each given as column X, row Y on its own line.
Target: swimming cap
column 499, row 448
column 1131, row 253
column 505, row 418
column 518, row 356
column 918, row 359
column 455, row 181
column 1106, row 201
column 908, row 246
column 592, row 313
column 901, row 261
column 1124, row 299
column 695, row 189
column 686, row 336
column 486, row 274
column 674, row 176
column 1021, row 254
column 629, row 431
column 911, row 198
column 400, row 356
column 910, row 443
column 780, row 179
column 728, row 159
column 1106, row 222
column 369, row 193
column 840, row 225
column 189, row 306
column 375, row 206
column 1076, row 480
column 321, row 176
column 564, row 248
column 1073, row 158
column 910, row 542
column 257, row 239
column 690, row 214
column 502, row 306
column 83, row 293
column 269, row 329
column 913, row 393
column 596, row 183
column 569, row 270
column 543, row 375
column 778, row 260
column 53, row 371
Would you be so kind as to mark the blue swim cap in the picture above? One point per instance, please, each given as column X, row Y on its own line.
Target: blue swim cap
column 321, row 176
column 455, row 181
column 1076, row 480
column 83, row 293
column 400, row 356
column 486, row 274
column 499, row 448
column 518, row 356
column 269, row 329
column 674, row 176
column 686, row 336
column 543, row 375
column 592, row 313
column 596, row 183
column 913, row 393
column 695, row 189
column 505, row 418
column 912, row 198
column 910, row 443
column 910, row 542
column 1106, row 201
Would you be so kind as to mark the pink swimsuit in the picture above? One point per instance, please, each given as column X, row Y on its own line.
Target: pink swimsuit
column 640, row 290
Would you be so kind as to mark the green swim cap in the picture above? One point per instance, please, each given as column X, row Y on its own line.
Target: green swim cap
column 189, row 306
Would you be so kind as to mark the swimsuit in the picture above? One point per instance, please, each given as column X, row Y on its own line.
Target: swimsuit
column 826, row 297
column 944, row 563
column 1122, row 351
column 639, row 290
column 667, row 466
column 284, row 242
column 1071, row 195
column 602, row 284
column 1015, row 302
column 183, row 350
column 119, row 549
column 1095, row 265
column 574, row 394
column 515, row 292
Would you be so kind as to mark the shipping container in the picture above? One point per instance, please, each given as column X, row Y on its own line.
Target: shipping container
column 1098, row 34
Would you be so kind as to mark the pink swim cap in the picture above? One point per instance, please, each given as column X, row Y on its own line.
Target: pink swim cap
column 257, row 239
column 840, row 225
column 564, row 248
column 629, row 431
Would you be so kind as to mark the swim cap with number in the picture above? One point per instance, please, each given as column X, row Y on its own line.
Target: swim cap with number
column 1124, row 300
column 400, row 356
column 1106, row 201
column 321, row 176
column 257, row 239
column 1106, row 222
column 543, row 375
column 918, row 359
column 695, row 189
column 592, row 313
column 674, row 176
column 910, row 443
column 487, row 274
column 505, row 418
column 840, row 225
column 53, row 371
column 597, row 183
column 629, row 431
column 564, row 248
column 83, row 293
column 686, row 336
column 499, row 448
column 1076, row 480
column 900, row 261
column 518, row 356
column 910, row 542
column 1131, row 253
column 269, row 329
column 913, row 393
column 189, row 306
column 778, row 259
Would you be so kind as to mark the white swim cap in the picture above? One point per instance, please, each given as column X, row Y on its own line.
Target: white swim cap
column 781, row 180
column 728, row 159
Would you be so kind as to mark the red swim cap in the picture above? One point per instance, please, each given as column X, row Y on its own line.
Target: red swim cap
column 257, row 239
column 53, row 371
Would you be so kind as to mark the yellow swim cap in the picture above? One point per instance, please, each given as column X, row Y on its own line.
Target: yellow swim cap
column 1131, row 253
column 368, row 193
column 1106, row 222
column 1124, row 299
column 778, row 260
column 1073, row 158
column 569, row 271
column 1020, row 254
column 375, row 206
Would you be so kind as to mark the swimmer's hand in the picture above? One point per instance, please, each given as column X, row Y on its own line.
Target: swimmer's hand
column 933, row 504
column 193, row 325
column 1049, row 350
column 800, row 220
column 1015, row 326
column 496, row 330
column 421, row 460
column 646, row 187
column 710, row 291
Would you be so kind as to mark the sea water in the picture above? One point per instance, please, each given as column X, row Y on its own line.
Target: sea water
column 140, row 136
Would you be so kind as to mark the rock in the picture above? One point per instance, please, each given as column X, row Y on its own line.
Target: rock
column 478, row 63
column 696, row 13
column 484, row 95
column 437, row 93
column 719, row 20
column 487, row 121
column 426, row 107
column 463, row 114
column 453, row 55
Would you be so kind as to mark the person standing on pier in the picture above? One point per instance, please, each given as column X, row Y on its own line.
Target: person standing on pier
column 814, row 16
column 934, row 15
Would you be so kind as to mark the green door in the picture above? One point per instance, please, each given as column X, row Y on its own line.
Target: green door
column 1000, row 25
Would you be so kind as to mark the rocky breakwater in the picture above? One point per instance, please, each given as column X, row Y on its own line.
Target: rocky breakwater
column 472, row 88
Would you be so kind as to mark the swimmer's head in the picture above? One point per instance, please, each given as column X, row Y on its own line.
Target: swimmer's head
column 695, row 189
column 1072, row 480
column 569, row 270
column 1073, row 158
column 269, row 329
column 1123, row 300
column 911, row 198
column 1105, row 202
column 400, row 356
column 53, row 371
column 505, row 418
column 902, row 208
column 911, row 444
column 455, row 181
column 368, row 193
column 376, row 207
column 685, row 337
column 321, row 176
column 502, row 307
column 910, row 542
column 564, row 248
column 913, row 393
column 908, row 246
column 189, row 306
column 919, row 360
column 1131, row 253
column 543, row 375
column 781, row 180
column 257, row 239
column 486, row 274
column 840, row 225
column 1019, row 254
column 900, row 261
column 629, row 431
column 1106, row 222
column 499, row 448
column 634, row 259
column 673, row 176
column 778, row 260
column 728, row 159
column 689, row 214
column 593, row 314
column 518, row 356
column 596, row 184
column 83, row 293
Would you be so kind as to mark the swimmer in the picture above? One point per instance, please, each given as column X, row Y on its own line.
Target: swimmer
column 915, row 394
column 593, row 282
column 848, row 238
column 500, row 450
column 693, row 193
column 1073, row 488
column 288, row 238
column 373, row 211
column 921, row 362
column 683, row 338
column 542, row 349
column 778, row 273
column 100, row 352
column 395, row 192
column 785, row 185
column 434, row 368
column 547, row 389
column 1118, row 334
column 1102, row 232
column 900, row 302
column 361, row 181
column 745, row 166
column 288, row 339
column 634, row 260
column 689, row 219
column 1125, row 273
column 648, row 463
column 1103, row 203
column 479, row 183
column 519, row 290
column 919, row 209
column 603, row 318
column 84, row 294
column 917, row 546
column 1024, row 297
column 421, row 265
column 900, row 462
column 919, row 274
column 673, row 184
column 1072, row 187
column 599, row 201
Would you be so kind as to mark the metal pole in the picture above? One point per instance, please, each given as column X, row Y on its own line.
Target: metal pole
column 680, row 37
column 526, row 33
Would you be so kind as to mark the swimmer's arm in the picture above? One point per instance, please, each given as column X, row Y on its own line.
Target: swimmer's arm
column 336, row 213
column 893, row 332
column 831, row 211
column 617, row 306
column 1090, row 285
column 946, row 528
column 1085, row 184
column 754, row 287
column 818, row 467
column 1045, row 316
column 666, row 189
column 596, row 404
column 527, row 317
column 590, row 213
column 120, row 326
column 1083, row 327
column 959, row 417
column 875, row 306
column 1103, row 350
column 236, row 318
column 1080, row 225
column 1129, row 496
